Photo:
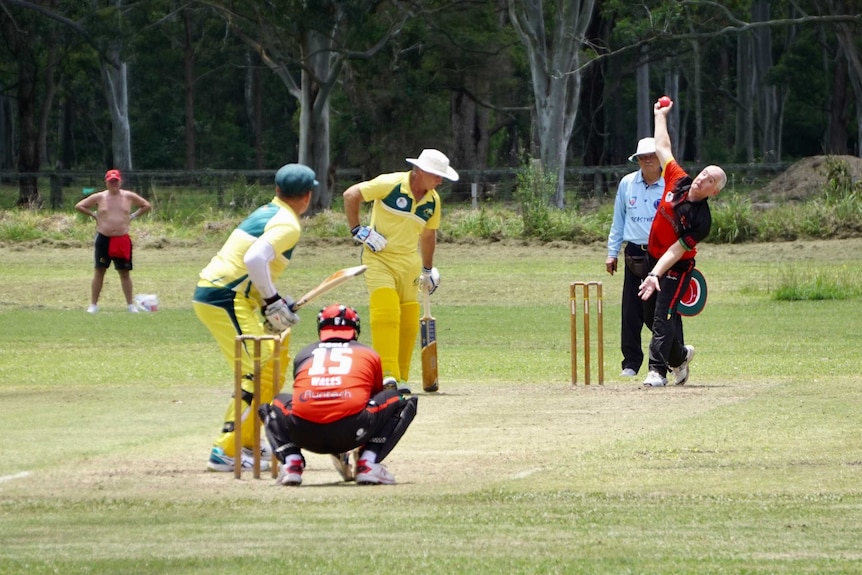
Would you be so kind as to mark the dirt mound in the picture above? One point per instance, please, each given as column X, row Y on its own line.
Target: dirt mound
column 805, row 179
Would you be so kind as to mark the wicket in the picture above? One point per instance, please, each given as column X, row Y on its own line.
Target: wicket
column 600, row 344
column 239, row 350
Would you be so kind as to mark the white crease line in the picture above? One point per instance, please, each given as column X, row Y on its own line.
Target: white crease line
column 22, row 475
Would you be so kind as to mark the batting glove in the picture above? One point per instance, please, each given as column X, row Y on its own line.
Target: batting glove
column 278, row 314
column 429, row 279
column 363, row 234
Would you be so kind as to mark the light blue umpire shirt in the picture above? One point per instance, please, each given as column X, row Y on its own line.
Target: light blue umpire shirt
column 634, row 210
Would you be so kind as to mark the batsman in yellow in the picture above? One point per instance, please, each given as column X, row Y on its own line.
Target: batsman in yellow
column 236, row 295
column 405, row 211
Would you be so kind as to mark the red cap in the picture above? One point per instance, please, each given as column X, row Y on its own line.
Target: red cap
column 113, row 175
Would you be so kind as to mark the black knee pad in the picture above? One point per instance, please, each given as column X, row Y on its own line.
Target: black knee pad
column 402, row 421
column 276, row 431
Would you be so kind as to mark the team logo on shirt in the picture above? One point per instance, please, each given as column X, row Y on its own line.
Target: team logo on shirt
column 669, row 197
column 401, row 202
column 633, row 201
column 655, row 204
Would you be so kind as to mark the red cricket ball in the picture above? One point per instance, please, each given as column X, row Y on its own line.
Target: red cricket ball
column 663, row 102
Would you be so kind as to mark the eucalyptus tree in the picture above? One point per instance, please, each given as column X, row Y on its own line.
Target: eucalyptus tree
column 553, row 33
column 305, row 45
column 848, row 34
column 37, row 48
column 33, row 31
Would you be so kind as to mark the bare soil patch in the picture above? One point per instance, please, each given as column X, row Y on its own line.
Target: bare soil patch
column 805, row 179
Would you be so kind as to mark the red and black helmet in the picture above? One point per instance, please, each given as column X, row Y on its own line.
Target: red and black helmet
column 338, row 322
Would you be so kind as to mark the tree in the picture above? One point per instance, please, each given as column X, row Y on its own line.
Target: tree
column 23, row 31
column 312, row 40
column 555, row 66
column 847, row 35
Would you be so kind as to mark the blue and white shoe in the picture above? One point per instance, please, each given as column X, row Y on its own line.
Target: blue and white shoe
column 219, row 461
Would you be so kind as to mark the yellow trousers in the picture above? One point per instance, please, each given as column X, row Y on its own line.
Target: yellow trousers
column 225, row 318
column 392, row 282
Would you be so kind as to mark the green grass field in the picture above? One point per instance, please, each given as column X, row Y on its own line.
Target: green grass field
column 755, row 466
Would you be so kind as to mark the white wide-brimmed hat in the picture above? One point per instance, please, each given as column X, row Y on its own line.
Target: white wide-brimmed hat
column 434, row 162
column 645, row 147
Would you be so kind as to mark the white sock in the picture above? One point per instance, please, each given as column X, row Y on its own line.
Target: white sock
column 368, row 456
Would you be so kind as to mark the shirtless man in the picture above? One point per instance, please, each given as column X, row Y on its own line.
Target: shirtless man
column 112, row 210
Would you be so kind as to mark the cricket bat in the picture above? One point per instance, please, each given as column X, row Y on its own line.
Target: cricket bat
column 329, row 284
column 428, row 331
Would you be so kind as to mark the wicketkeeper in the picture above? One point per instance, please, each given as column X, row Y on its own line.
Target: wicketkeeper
column 339, row 404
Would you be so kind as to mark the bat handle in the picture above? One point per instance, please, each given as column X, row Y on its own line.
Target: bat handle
column 426, row 301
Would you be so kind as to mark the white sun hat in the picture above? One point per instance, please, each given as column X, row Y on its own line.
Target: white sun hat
column 645, row 147
column 434, row 162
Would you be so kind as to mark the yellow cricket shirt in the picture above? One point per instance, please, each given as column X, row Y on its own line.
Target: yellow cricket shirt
column 396, row 214
column 275, row 222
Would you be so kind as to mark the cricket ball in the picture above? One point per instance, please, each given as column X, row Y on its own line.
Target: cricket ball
column 663, row 102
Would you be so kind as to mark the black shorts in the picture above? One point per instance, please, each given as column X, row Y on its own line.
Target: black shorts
column 103, row 260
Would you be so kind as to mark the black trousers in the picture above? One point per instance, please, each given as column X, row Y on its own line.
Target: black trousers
column 633, row 317
column 666, row 348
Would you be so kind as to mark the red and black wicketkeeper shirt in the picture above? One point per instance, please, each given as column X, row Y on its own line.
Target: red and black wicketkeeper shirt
column 334, row 379
column 678, row 219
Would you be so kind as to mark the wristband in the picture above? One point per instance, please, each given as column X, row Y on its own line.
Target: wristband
column 653, row 274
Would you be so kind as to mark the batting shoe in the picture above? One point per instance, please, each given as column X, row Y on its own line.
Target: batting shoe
column 291, row 472
column 681, row 371
column 219, row 461
column 372, row 474
column 265, row 457
column 655, row 379
column 342, row 465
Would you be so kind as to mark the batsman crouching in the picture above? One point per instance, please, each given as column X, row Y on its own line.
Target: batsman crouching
column 339, row 404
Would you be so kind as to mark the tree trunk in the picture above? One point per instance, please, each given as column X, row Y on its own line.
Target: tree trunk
column 28, row 151
column 644, row 96
column 745, row 101
column 675, row 124
column 7, row 130
column 836, row 129
column 115, row 76
column 257, row 118
column 470, row 133
column 767, row 94
column 314, row 114
column 697, row 83
column 47, row 101
column 555, row 72
column 854, row 68
column 67, row 149
column 189, row 90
